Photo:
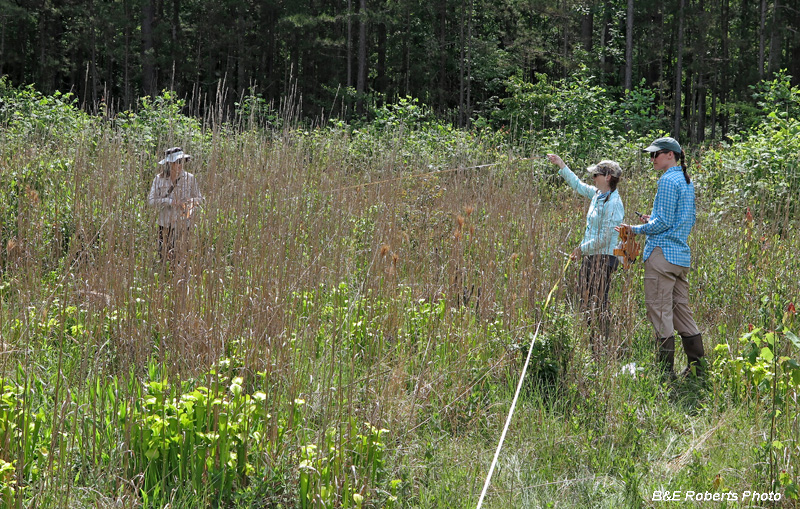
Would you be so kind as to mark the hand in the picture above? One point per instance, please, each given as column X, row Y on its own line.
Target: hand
column 188, row 208
column 645, row 218
column 576, row 253
column 623, row 227
column 556, row 160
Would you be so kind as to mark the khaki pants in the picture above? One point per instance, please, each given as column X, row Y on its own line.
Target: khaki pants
column 666, row 295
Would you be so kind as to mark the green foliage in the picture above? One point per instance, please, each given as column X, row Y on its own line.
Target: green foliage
column 763, row 365
column 200, row 440
column 253, row 110
column 527, row 103
column 160, row 121
column 24, row 435
column 551, row 353
column 36, row 202
column 764, row 368
column 8, row 483
column 407, row 112
column 759, row 170
column 25, row 112
column 332, row 474
column 575, row 115
column 198, row 444
column 778, row 96
column 409, row 132
column 639, row 112
column 344, row 317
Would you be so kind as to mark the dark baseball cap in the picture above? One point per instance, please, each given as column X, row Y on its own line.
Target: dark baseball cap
column 664, row 144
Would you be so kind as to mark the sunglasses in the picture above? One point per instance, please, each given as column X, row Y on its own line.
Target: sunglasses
column 653, row 155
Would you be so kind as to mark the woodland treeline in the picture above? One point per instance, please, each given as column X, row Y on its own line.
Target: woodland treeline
column 343, row 57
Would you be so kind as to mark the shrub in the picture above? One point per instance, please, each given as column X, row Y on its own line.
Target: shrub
column 27, row 113
column 575, row 114
column 158, row 122
column 760, row 170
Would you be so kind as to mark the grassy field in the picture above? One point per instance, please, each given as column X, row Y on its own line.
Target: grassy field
column 348, row 322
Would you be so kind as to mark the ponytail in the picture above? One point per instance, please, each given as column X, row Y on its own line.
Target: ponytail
column 683, row 165
column 612, row 184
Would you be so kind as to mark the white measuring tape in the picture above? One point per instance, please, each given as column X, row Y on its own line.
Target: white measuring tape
column 519, row 388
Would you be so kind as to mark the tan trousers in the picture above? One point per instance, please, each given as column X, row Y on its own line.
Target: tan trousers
column 666, row 295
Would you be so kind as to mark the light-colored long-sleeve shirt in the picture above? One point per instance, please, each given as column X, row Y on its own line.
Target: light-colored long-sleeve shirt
column 174, row 203
column 605, row 213
column 671, row 220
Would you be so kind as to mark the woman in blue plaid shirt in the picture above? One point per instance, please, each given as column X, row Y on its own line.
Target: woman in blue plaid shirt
column 667, row 258
column 596, row 250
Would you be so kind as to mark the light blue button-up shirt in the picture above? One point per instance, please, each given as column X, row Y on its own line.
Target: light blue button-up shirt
column 605, row 213
column 672, row 219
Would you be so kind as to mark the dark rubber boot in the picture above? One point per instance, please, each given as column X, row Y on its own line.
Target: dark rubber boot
column 693, row 346
column 665, row 358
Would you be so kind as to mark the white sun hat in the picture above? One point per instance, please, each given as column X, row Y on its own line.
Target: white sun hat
column 174, row 154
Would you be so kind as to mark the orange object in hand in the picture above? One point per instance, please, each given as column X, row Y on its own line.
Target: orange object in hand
column 627, row 248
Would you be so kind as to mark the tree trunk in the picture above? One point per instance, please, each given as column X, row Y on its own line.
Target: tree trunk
column 110, row 41
column 587, row 30
column 689, row 104
column 126, row 72
column 349, row 43
column 241, row 54
column 268, row 60
column 629, row 47
column 461, row 66
column 761, row 36
column 2, row 44
column 714, row 108
column 605, row 34
column 566, row 38
column 361, row 84
column 44, row 76
column 662, row 54
column 774, row 43
column 175, row 32
column 381, row 81
column 93, row 63
column 676, row 125
column 700, row 89
column 793, row 51
column 725, row 82
column 407, row 53
column 701, row 107
column 442, row 71
column 469, row 60
column 148, row 49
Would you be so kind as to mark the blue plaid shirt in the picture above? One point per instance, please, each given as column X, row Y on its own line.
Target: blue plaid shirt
column 672, row 219
column 605, row 212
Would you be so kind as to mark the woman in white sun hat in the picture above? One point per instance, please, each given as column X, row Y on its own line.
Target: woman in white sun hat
column 175, row 195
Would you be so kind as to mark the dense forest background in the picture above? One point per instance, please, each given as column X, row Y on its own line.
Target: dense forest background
column 343, row 58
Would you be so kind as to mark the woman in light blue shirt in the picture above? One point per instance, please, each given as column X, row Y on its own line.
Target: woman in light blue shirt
column 596, row 250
